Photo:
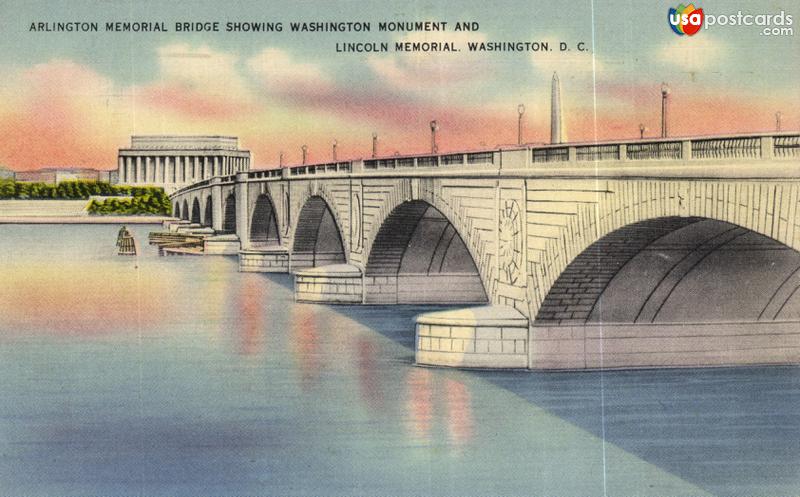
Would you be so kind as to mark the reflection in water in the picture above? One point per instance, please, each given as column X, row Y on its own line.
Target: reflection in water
column 436, row 400
column 305, row 343
column 82, row 298
column 419, row 392
column 368, row 374
column 459, row 412
column 250, row 302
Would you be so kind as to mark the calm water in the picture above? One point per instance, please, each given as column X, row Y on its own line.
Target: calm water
column 181, row 376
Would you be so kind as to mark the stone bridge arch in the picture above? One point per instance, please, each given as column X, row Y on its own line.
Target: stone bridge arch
column 479, row 245
column 264, row 229
column 297, row 197
column 229, row 212
column 185, row 210
column 418, row 256
column 196, row 215
column 317, row 239
column 584, row 214
column 208, row 211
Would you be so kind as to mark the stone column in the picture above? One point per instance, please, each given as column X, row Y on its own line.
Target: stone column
column 180, row 164
column 128, row 169
column 242, row 205
column 121, row 169
column 216, row 204
column 138, row 170
column 149, row 168
column 159, row 170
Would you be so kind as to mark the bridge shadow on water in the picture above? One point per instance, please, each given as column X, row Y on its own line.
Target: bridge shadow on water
column 731, row 431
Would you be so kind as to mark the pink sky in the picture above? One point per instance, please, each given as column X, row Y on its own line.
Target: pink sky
column 63, row 113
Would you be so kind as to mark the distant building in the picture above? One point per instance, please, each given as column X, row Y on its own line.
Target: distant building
column 176, row 161
column 55, row 175
column 6, row 173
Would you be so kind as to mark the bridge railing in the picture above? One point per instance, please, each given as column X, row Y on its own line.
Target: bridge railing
column 760, row 146
column 482, row 158
column 327, row 168
column 264, row 173
column 733, row 147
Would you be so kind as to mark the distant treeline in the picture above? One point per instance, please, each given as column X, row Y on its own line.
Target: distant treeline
column 144, row 204
column 145, row 199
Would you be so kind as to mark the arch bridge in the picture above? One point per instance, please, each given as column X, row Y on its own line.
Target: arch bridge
column 647, row 253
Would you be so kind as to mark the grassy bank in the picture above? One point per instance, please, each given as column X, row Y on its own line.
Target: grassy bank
column 139, row 200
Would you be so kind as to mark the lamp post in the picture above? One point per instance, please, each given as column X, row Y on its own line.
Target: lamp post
column 305, row 153
column 641, row 131
column 520, row 111
column 335, row 143
column 778, row 121
column 434, row 129
column 664, row 105
column 280, row 159
column 374, row 144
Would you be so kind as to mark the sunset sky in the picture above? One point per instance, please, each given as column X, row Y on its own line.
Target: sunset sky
column 73, row 99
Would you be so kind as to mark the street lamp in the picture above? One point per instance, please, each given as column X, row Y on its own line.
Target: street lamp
column 305, row 153
column 374, row 144
column 520, row 111
column 434, row 129
column 641, row 131
column 335, row 143
column 664, row 105
column 778, row 121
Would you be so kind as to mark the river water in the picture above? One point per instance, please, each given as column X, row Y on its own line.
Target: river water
column 180, row 376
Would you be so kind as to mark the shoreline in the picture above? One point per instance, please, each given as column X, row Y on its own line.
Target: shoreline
column 83, row 219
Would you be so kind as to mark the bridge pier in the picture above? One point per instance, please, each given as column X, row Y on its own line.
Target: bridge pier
column 264, row 260
column 242, row 208
column 332, row 284
column 663, row 345
column 216, row 204
column 478, row 337
column 221, row 245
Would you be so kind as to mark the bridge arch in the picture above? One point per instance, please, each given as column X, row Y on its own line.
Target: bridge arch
column 418, row 256
column 625, row 209
column 176, row 210
column 185, row 210
column 229, row 216
column 317, row 237
column 208, row 212
column 677, row 270
column 195, row 218
column 264, row 222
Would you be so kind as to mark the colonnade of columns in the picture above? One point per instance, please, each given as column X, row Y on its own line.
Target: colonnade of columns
column 177, row 169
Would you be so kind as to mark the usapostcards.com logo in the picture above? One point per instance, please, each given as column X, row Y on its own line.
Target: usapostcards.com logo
column 687, row 20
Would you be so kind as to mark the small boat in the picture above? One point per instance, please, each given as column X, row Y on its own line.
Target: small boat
column 126, row 244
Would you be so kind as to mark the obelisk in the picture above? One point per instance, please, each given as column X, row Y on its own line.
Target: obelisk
column 557, row 134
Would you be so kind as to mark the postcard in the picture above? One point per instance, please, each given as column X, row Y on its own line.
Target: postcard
column 381, row 248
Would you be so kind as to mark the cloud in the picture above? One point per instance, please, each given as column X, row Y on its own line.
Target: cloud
column 421, row 71
column 61, row 113
column 197, row 82
column 691, row 54
column 201, row 69
column 278, row 71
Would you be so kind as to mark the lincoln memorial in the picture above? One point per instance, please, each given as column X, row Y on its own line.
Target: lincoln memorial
column 175, row 161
